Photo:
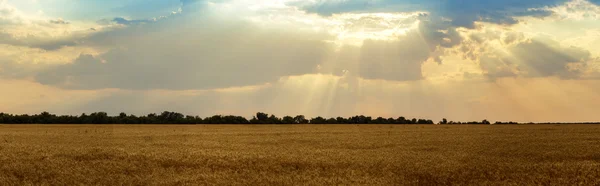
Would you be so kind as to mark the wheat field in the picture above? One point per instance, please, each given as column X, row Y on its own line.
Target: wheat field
column 299, row 154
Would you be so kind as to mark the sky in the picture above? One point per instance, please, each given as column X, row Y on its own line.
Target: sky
column 467, row 60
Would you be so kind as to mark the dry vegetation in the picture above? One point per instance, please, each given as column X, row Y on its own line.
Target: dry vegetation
column 299, row 154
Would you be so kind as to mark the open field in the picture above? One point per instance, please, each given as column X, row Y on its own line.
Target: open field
column 300, row 154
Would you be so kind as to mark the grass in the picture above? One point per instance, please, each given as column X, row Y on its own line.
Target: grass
column 299, row 155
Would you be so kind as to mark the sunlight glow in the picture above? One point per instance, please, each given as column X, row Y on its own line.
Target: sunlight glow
column 346, row 28
column 355, row 28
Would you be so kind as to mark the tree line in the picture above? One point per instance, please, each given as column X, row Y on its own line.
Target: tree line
column 167, row 117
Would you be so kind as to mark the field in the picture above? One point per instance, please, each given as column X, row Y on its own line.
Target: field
column 299, row 155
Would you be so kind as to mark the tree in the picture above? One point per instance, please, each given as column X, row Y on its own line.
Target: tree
column 190, row 119
column 4, row 117
column 341, row 120
column 360, row 119
column 99, row 118
column 262, row 116
column 274, row 119
column 300, row 119
column 391, row 121
column 288, row 120
column 318, row 120
column 216, row 119
column 401, row 120
column 380, row 120
column 44, row 117
column 168, row 117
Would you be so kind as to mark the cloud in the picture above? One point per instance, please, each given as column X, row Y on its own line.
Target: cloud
column 208, row 50
column 40, row 31
column 203, row 51
column 536, row 58
column 124, row 21
column 174, row 54
column 20, row 29
column 59, row 21
column 399, row 60
column 198, row 50
column 8, row 14
column 12, row 70
column 462, row 13
column 42, row 42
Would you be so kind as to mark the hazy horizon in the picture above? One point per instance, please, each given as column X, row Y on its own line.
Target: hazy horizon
column 465, row 60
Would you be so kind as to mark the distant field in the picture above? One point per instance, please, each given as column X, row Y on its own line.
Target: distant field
column 300, row 154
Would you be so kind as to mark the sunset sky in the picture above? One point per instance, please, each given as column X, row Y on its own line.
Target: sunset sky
column 517, row 60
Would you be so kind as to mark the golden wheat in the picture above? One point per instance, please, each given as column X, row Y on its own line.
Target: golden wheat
column 299, row 155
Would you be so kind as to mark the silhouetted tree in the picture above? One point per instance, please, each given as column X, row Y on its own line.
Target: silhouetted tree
column 168, row 117
column 341, row 120
column 402, row 120
column 260, row 118
column 331, row 121
column 391, row 121
column 288, row 120
column 318, row 120
column 274, row 119
column 380, row 120
column 300, row 119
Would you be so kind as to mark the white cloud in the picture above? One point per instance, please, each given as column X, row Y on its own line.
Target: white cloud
column 574, row 10
column 39, row 31
column 347, row 28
